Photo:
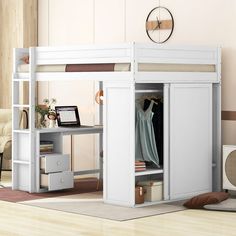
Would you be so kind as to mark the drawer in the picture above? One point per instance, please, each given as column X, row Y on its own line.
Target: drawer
column 57, row 181
column 54, row 163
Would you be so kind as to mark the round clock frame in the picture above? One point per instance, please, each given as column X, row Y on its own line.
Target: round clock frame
column 158, row 25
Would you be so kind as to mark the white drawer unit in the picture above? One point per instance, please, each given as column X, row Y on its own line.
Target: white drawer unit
column 57, row 181
column 54, row 163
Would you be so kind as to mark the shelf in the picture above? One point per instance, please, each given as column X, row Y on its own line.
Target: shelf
column 149, row 172
column 21, row 162
column 21, row 105
column 73, row 130
column 149, row 91
column 150, row 203
column 21, row 80
column 21, row 77
column 21, row 131
column 42, row 190
column 50, row 154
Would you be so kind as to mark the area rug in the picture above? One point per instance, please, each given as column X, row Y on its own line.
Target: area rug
column 80, row 186
column 91, row 204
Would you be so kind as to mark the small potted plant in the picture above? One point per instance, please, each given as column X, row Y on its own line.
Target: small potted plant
column 47, row 111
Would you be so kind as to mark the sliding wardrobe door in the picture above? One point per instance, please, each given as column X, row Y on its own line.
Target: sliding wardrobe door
column 119, row 143
column 190, row 139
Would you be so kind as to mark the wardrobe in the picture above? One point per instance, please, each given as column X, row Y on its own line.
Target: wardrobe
column 191, row 125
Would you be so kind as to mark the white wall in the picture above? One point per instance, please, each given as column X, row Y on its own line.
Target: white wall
column 63, row 22
column 202, row 22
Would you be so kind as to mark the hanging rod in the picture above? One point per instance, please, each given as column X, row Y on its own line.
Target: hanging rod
column 149, row 91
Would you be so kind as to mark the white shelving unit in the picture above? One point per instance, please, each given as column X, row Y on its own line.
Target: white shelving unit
column 191, row 99
column 23, row 139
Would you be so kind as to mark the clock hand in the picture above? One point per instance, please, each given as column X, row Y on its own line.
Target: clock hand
column 158, row 24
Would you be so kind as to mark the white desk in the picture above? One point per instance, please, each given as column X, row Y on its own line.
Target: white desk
column 83, row 129
column 56, row 135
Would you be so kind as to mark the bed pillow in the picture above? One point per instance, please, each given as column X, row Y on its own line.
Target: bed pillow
column 206, row 198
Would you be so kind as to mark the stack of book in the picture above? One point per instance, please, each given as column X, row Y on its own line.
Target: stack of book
column 46, row 147
column 140, row 166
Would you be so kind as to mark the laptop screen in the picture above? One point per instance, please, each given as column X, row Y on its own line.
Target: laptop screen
column 67, row 116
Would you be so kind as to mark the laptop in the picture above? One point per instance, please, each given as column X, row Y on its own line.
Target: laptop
column 67, row 116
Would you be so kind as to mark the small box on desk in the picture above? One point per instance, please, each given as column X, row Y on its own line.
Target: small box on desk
column 153, row 190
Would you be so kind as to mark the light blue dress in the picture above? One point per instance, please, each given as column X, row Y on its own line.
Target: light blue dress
column 145, row 144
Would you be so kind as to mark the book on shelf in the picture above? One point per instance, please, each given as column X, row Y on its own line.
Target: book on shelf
column 46, row 152
column 140, row 169
column 140, row 163
column 46, row 147
column 140, row 166
column 46, row 142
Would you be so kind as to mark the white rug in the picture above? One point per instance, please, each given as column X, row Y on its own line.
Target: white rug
column 91, row 204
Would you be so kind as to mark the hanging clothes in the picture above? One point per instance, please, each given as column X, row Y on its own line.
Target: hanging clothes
column 145, row 145
column 157, row 121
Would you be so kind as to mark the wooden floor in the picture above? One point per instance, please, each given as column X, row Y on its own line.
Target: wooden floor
column 17, row 219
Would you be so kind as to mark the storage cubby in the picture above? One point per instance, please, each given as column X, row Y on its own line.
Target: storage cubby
column 21, row 92
column 20, row 176
column 21, row 148
column 55, row 138
column 21, row 121
column 153, row 188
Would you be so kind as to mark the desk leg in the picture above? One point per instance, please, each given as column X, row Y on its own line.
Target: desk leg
column 100, row 180
column 71, row 152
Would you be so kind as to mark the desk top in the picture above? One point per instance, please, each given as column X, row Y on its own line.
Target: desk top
column 73, row 130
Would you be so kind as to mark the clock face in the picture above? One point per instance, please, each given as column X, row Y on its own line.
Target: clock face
column 159, row 24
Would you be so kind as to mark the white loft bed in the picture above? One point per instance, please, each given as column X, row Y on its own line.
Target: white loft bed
column 148, row 66
column 186, row 62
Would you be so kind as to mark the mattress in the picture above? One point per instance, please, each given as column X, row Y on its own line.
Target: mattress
column 154, row 67
column 119, row 67
column 24, row 68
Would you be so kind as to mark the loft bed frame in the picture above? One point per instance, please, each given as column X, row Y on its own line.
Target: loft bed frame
column 132, row 53
column 174, row 65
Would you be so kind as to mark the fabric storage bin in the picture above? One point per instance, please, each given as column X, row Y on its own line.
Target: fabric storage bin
column 139, row 195
column 153, row 190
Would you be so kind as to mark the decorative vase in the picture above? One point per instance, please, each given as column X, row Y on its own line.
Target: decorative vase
column 40, row 121
column 52, row 123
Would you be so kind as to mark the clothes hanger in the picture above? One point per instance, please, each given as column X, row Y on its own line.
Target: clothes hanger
column 150, row 98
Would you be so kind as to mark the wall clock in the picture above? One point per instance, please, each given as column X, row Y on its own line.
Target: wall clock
column 159, row 24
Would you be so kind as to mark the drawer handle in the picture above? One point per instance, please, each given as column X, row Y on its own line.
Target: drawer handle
column 58, row 163
column 62, row 180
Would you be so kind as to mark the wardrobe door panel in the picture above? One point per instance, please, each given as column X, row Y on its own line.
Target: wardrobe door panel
column 190, row 139
column 119, row 143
